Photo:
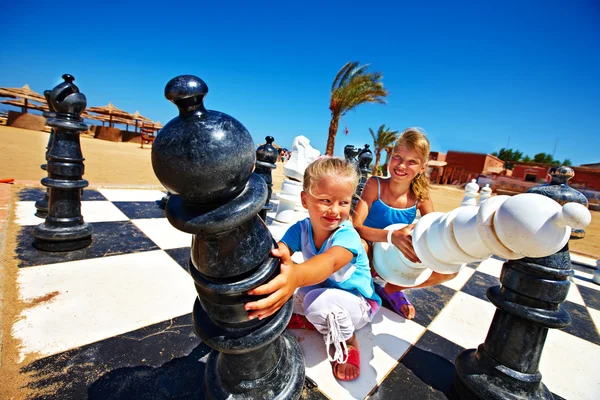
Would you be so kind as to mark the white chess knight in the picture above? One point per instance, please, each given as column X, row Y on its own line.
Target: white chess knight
column 290, row 207
column 525, row 225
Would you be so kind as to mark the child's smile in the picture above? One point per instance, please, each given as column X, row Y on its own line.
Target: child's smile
column 329, row 204
column 405, row 164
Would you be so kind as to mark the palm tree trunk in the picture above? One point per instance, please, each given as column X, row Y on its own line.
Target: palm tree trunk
column 375, row 171
column 333, row 128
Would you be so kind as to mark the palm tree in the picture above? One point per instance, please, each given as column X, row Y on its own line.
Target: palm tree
column 352, row 87
column 388, row 153
column 384, row 139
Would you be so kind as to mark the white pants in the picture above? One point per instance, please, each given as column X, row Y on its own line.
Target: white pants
column 335, row 313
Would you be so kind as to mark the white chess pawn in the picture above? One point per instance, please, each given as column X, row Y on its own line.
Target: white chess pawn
column 485, row 193
column 471, row 190
column 525, row 225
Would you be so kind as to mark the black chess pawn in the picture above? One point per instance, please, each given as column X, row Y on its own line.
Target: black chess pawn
column 205, row 159
column 266, row 157
column 64, row 228
column 506, row 365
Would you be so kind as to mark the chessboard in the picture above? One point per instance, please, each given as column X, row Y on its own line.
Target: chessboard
column 113, row 321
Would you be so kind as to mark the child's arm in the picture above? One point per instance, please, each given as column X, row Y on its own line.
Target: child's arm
column 369, row 195
column 293, row 276
column 401, row 238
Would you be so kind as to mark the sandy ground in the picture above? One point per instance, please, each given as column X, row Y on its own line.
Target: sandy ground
column 108, row 163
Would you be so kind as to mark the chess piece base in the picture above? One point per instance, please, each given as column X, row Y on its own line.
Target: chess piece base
column 479, row 376
column 284, row 382
column 62, row 238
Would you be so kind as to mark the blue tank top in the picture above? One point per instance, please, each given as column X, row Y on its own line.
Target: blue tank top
column 381, row 215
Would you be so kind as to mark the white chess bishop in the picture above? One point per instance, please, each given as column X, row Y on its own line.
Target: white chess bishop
column 290, row 207
column 525, row 225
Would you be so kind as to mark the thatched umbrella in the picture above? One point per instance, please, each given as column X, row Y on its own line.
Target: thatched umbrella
column 139, row 117
column 112, row 112
column 24, row 93
column 24, row 104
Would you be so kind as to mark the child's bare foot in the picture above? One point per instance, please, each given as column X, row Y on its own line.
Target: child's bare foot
column 350, row 370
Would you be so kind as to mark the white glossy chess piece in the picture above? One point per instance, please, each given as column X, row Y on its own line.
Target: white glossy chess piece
column 596, row 277
column 302, row 155
column 290, row 207
column 525, row 225
column 485, row 193
column 471, row 190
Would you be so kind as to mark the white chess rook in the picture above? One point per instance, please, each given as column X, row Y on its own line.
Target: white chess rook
column 525, row 225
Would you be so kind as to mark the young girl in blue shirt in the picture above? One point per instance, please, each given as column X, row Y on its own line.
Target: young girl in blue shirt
column 333, row 289
column 396, row 200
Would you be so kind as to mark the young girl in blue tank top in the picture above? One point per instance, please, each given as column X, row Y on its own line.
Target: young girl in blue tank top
column 396, row 200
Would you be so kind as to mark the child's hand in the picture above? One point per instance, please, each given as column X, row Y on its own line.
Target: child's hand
column 402, row 239
column 281, row 288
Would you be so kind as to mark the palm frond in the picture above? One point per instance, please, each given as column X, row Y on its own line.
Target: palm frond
column 344, row 71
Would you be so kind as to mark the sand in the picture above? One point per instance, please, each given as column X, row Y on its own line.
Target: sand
column 126, row 164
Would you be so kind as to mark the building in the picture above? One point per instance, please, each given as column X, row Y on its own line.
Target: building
column 462, row 166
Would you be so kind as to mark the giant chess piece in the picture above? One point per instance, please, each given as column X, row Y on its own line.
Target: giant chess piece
column 525, row 225
column 266, row 157
column 506, row 365
column 205, row 159
column 290, row 207
column 365, row 157
column 64, row 228
column 41, row 205
column 485, row 193
column 471, row 190
column 350, row 154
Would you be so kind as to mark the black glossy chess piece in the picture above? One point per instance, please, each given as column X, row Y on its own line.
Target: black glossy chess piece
column 64, row 228
column 205, row 159
column 266, row 157
column 41, row 205
column 163, row 201
column 506, row 365
column 365, row 157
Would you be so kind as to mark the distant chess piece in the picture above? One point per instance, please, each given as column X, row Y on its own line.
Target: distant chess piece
column 485, row 193
column 525, row 225
column 290, row 207
column 350, row 154
column 64, row 228
column 205, row 159
column 533, row 288
column 41, row 205
column 471, row 191
column 596, row 277
column 266, row 157
column 365, row 157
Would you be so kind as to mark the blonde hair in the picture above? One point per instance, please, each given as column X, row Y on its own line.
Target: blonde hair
column 415, row 140
column 329, row 166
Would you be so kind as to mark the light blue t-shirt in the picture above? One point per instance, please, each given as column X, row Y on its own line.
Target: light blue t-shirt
column 354, row 277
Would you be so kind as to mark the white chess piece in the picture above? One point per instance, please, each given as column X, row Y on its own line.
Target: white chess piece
column 596, row 277
column 471, row 190
column 525, row 225
column 290, row 207
column 485, row 193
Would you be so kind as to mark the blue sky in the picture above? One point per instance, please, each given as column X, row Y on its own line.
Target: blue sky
column 477, row 76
